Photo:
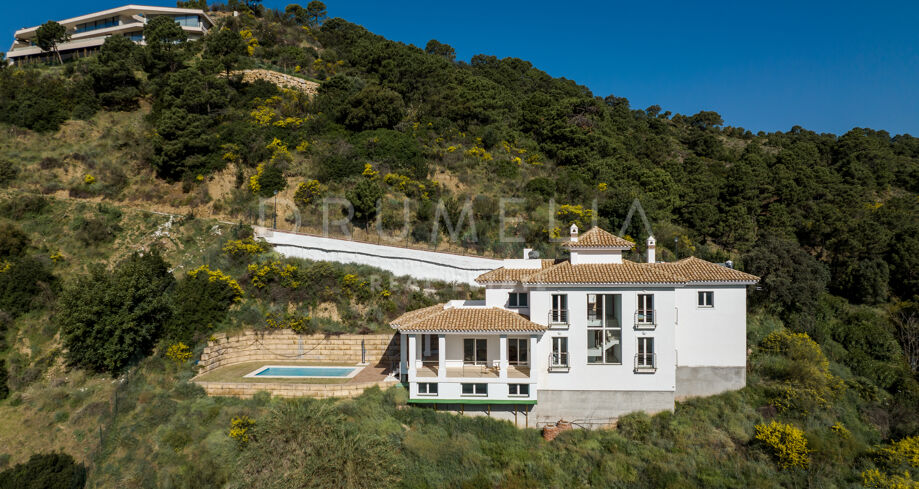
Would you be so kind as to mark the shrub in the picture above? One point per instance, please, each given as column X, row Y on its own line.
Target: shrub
column 13, row 242
column 110, row 319
column 307, row 193
column 873, row 478
column 21, row 282
column 179, row 352
column 286, row 275
column 904, row 451
column 244, row 247
column 295, row 322
column 4, row 385
column 45, row 471
column 202, row 299
column 805, row 382
column 242, row 430
column 786, row 443
column 8, row 172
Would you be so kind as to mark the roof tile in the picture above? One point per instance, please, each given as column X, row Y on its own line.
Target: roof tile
column 491, row 319
column 598, row 238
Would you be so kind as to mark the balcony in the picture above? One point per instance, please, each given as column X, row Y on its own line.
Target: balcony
column 558, row 319
column 645, row 363
column 431, row 370
column 645, row 319
column 558, row 362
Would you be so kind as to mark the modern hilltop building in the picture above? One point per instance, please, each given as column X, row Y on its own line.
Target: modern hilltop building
column 88, row 32
column 586, row 339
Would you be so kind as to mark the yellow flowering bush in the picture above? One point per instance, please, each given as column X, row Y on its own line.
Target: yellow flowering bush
column 251, row 41
column 307, row 193
column 478, row 153
column 243, row 247
column 786, row 442
column 179, row 352
column 56, row 257
column 904, row 451
column 296, row 322
column 874, row 478
column 89, row 179
column 5, row 266
column 303, row 147
column 369, row 172
column 218, row 276
column 574, row 214
column 808, row 383
column 242, row 430
column 602, row 187
column 406, row 185
column 261, row 275
column 841, row 430
column 254, row 184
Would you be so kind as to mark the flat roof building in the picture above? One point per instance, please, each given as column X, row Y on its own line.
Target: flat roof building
column 88, row 32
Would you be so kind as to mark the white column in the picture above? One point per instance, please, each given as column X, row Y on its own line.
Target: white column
column 427, row 344
column 534, row 356
column 403, row 355
column 442, row 356
column 412, row 353
column 502, row 356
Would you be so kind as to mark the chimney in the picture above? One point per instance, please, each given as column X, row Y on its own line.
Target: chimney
column 526, row 253
column 651, row 249
column 574, row 233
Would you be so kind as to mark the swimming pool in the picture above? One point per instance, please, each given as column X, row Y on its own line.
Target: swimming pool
column 296, row 371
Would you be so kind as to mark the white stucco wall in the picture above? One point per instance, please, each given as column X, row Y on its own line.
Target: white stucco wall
column 417, row 264
column 714, row 336
column 584, row 376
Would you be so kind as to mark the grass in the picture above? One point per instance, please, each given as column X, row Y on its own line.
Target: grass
column 236, row 373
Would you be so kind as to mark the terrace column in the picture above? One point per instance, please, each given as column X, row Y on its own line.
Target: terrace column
column 502, row 356
column 403, row 356
column 534, row 356
column 427, row 344
column 412, row 354
column 442, row 356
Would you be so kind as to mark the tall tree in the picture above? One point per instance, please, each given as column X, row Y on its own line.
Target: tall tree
column 164, row 38
column 436, row 47
column 225, row 47
column 49, row 36
column 315, row 12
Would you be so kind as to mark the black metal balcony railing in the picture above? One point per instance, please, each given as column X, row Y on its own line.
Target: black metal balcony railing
column 558, row 361
column 558, row 317
column 645, row 319
column 645, row 362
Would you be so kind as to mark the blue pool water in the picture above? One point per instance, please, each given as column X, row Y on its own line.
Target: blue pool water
column 305, row 372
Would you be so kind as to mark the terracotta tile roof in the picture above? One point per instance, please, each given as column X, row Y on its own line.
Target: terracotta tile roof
column 694, row 269
column 511, row 274
column 598, row 238
column 626, row 272
column 684, row 271
column 483, row 319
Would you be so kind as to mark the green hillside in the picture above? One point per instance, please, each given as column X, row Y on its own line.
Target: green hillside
column 121, row 173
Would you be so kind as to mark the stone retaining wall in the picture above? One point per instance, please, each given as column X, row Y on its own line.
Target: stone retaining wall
column 279, row 79
column 319, row 391
column 382, row 349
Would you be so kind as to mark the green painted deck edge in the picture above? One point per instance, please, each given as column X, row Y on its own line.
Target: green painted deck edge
column 466, row 401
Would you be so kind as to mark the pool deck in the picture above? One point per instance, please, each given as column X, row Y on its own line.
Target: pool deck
column 236, row 374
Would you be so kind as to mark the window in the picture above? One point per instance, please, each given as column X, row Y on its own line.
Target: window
column 522, row 390
column 645, row 359
column 187, row 20
column 518, row 299
column 517, row 349
column 427, row 389
column 95, row 25
column 559, row 359
column 475, row 389
column 706, row 299
column 135, row 36
column 475, row 351
column 604, row 333
column 644, row 315
column 559, row 312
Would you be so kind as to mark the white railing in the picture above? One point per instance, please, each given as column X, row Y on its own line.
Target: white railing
column 645, row 319
column 558, row 362
column 645, row 362
column 558, row 318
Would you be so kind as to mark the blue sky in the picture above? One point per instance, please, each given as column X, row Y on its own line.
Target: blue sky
column 827, row 66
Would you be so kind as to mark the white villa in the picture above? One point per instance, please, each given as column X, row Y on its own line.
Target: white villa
column 88, row 32
column 586, row 339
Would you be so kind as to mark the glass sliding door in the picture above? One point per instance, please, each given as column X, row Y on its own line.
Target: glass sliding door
column 475, row 351
column 604, row 333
